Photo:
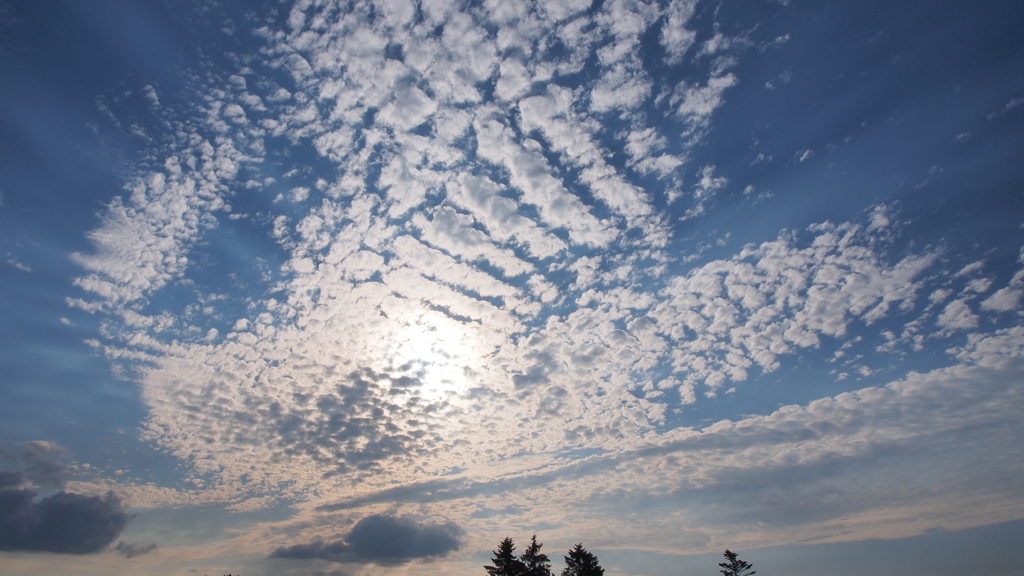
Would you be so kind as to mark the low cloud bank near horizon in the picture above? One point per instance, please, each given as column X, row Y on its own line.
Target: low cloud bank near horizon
column 381, row 539
column 64, row 523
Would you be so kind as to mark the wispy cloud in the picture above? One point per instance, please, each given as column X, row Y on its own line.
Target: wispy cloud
column 1013, row 103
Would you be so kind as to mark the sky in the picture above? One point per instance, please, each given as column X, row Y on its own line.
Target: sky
column 362, row 288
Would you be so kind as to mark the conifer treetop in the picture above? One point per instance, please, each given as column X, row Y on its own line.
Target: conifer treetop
column 734, row 566
column 580, row 562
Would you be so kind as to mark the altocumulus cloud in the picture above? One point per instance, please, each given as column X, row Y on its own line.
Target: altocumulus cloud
column 65, row 523
column 383, row 540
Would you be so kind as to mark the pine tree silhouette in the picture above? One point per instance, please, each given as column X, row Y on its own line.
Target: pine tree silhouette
column 579, row 562
column 505, row 561
column 735, row 566
column 535, row 561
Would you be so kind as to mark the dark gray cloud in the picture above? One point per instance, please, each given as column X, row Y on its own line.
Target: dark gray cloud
column 337, row 551
column 64, row 523
column 11, row 478
column 39, row 461
column 132, row 550
column 382, row 539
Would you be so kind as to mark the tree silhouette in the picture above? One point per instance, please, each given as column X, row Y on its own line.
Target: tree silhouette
column 735, row 566
column 536, row 562
column 505, row 561
column 579, row 562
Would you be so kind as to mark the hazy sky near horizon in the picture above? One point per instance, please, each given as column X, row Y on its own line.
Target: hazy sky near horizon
column 319, row 287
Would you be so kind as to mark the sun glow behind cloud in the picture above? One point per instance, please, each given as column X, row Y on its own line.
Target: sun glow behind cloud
column 437, row 352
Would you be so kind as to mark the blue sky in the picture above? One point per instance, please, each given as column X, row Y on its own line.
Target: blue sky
column 353, row 288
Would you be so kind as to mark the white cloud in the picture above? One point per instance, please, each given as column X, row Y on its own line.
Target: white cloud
column 558, row 10
column 957, row 316
column 939, row 295
column 1003, row 300
column 514, row 80
column 151, row 96
column 620, row 88
column 235, row 113
column 531, row 174
column 641, row 145
column 626, row 20
column 435, row 264
column 978, row 285
column 728, row 316
column 405, row 183
column 970, row 268
column 704, row 190
column 675, row 37
column 699, row 102
column 454, row 233
column 142, row 244
column 500, row 216
column 552, row 115
column 410, row 108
